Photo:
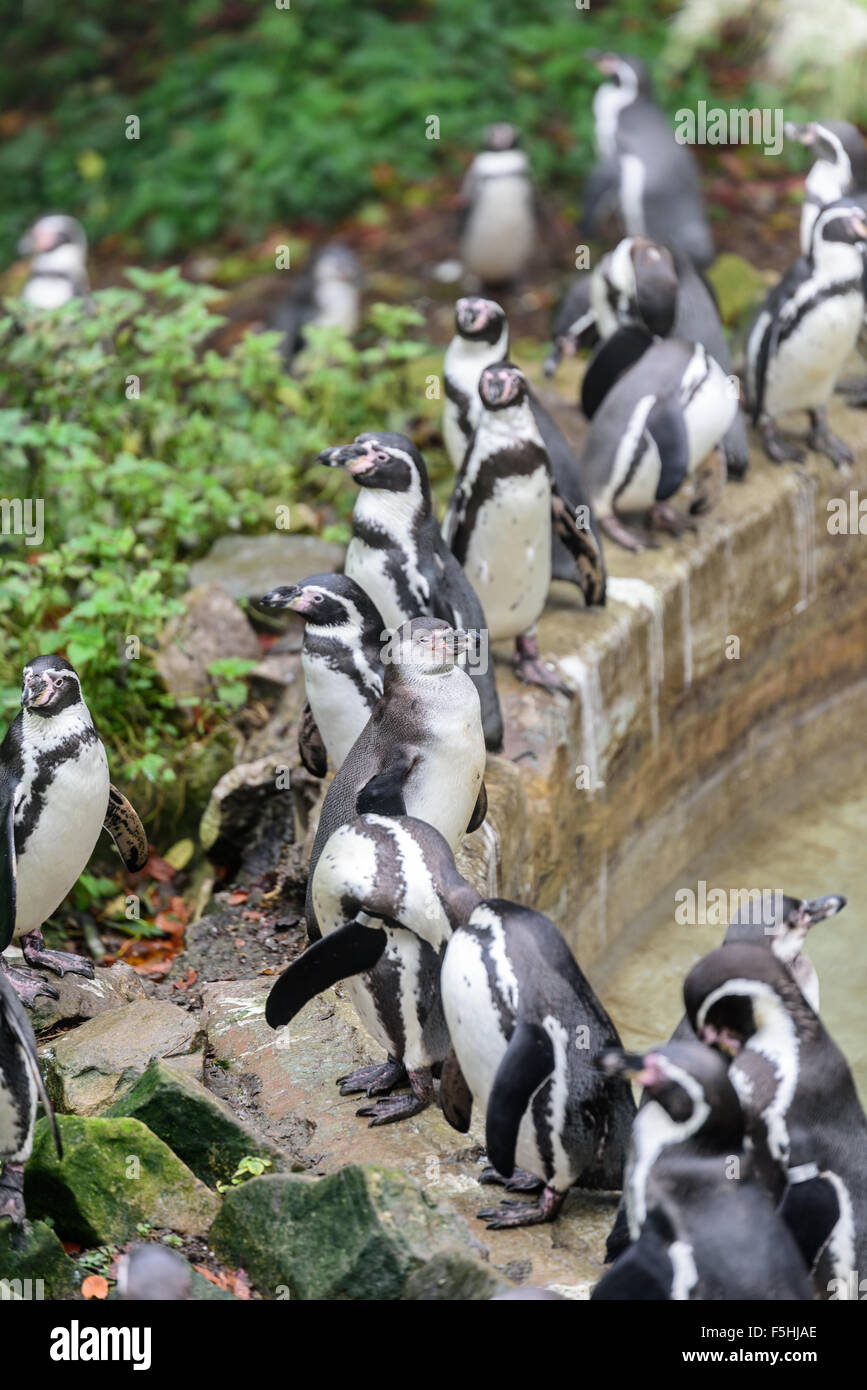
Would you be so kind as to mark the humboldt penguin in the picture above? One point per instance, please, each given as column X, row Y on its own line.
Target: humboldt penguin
column 55, row 798
column 804, row 333
column 21, row 1086
column 643, row 171
column 803, row 1116
column 498, row 210
column 57, row 247
column 342, row 663
column 703, row 1226
column 481, row 339
column 326, row 295
column 500, row 516
column 401, row 561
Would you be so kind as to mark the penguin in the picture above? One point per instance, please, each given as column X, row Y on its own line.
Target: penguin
column 21, row 1086
column 653, row 430
column 499, row 520
column 784, row 936
column 642, row 169
column 57, row 247
column 398, row 557
column 574, row 324
column 481, row 339
column 498, row 219
column 55, row 798
column 703, row 1225
column 803, row 1115
column 326, row 295
column 839, row 168
column 340, row 657
column 804, row 332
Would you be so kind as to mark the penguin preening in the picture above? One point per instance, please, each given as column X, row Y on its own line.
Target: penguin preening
column 57, row 247
column 654, row 429
column 21, row 1086
column 802, row 1111
column 341, row 659
column 804, row 333
column 481, row 339
column 499, row 520
column 643, row 170
column 498, row 216
column 326, row 295
column 55, row 798
column 702, row 1224
column 398, row 556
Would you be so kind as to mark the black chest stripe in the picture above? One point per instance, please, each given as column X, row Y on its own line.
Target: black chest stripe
column 787, row 327
column 47, row 763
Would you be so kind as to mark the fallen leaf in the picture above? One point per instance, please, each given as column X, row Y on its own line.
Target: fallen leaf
column 188, row 978
column 95, row 1286
column 239, row 896
column 160, row 869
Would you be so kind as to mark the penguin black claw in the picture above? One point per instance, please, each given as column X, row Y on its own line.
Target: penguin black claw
column 375, row 1080
column 520, row 1181
column 394, row 1108
column 511, row 1214
column 28, row 984
column 60, row 962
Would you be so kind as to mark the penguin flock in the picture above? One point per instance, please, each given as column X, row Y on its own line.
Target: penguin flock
column 743, row 1171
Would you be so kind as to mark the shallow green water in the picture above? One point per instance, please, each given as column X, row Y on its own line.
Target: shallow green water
column 809, row 841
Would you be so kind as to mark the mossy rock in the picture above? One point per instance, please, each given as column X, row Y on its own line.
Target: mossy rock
column 114, row 1174
column 456, row 1276
column 196, row 1125
column 357, row 1234
column 33, row 1263
column 738, row 286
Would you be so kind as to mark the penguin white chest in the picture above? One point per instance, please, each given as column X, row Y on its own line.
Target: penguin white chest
column 710, row 406
column 808, row 361
column 500, row 231
column 444, row 786
column 61, row 842
column 508, row 559
column 338, row 706
column 48, row 291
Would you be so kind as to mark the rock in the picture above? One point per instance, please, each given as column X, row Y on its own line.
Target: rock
column 250, row 816
column 248, row 566
column 114, row 1174
column 359, row 1233
column 212, row 629
column 82, row 999
column 198, row 1127
column 33, row 1263
column 92, row 1067
column 454, row 1277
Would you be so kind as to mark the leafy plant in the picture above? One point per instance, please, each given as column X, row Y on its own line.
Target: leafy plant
column 251, row 1166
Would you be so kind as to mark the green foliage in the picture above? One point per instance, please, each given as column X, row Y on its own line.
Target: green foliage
column 136, row 486
column 251, row 1166
column 280, row 115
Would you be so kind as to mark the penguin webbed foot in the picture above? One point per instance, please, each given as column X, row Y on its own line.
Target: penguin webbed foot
column 824, row 442
column 402, row 1107
column 530, row 669
column 12, row 1193
column 663, row 517
column 855, row 391
column 28, row 984
column 777, row 447
column 630, row 540
column 509, row 1214
column 378, row 1079
column 61, row 962
column 520, row 1181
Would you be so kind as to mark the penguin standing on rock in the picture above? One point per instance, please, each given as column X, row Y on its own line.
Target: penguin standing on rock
column 21, row 1086
column 643, row 170
column 804, row 333
column 481, row 339
column 55, row 798
column 499, row 521
column 803, row 1115
column 340, row 657
column 703, row 1225
column 327, row 295
column 498, row 214
column 57, row 247
column 398, row 557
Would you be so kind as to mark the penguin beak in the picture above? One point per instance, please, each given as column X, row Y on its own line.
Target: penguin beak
column 859, row 227
column 723, row 1039
column 357, row 459
column 632, row 1065
column 286, row 596
column 604, row 62
column 804, row 134
column 818, row 909
column 331, row 457
column 37, row 691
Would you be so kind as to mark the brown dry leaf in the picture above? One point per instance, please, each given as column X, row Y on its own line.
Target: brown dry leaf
column 95, row 1286
column 240, row 895
column 188, row 978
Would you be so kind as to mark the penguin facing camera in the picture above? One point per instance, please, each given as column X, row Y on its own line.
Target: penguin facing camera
column 57, row 247
column 55, row 798
column 500, row 516
column 341, row 659
column 804, row 332
column 702, row 1224
column 327, row 294
column 399, row 558
column 21, row 1086
column 498, row 231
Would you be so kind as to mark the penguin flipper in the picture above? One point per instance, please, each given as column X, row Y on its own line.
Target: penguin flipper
column 351, row 950
column 125, row 828
column 667, row 428
column 528, row 1061
column 310, row 745
column 480, row 810
column 456, row 1098
column 611, row 360
column 811, row 1210
column 13, row 1012
column 582, row 546
column 600, row 195
column 8, row 868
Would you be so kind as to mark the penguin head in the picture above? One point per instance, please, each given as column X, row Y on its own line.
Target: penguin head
column 326, row 600
column 424, row 647
column 841, row 223
column 622, row 70
column 49, row 685
column 639, row 283
column 479, row 320
column 380, row 459
column 690, row 1082
column 336, row 262
column 837, row 143
column 51, row 234
column 737, row 990
column 500, row 136
column 502, row 386
column 786, row 932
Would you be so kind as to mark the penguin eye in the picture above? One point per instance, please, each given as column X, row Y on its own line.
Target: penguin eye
column 381, row 456
column 59, row 680
column 317, row 598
